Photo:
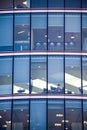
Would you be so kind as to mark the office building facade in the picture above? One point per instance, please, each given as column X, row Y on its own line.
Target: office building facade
column 43, row 69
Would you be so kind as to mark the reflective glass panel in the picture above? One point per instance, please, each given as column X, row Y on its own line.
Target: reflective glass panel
column 22, row 32
column 84, row 74
column 73, row 3
column 55, row 3
column 21, row 4
column 6, row 32
column 85, row 114
column 55, row 31
column 55, row 114
column 73, row 115
column 73, row 75
column 5, row 75
column 84, row 32
column 5, row 115
column 38, row 32
column 84, row 3
column 38, row 3
column 6, row 4
column 55, row 74
column 72, row 32
column 38, row 115
column 38, row 74
column 20, row 120
column 21, row 75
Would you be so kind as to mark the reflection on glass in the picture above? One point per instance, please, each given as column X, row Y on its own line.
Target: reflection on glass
column 84, row 32
column 38, row 3
column 38, row 115
column 84, row 74
column 73, row 3
column 55, row 4
column 55, row 114
column 6, row 4
column 85, row 114
column 5, row 75
column 55, row 74
column 73, row 75
column 84, row 3
column 20, row 115
column 72, row 33
column 22, row 32
column 6, row 32
column 38, row 32
column 38, row 74
column 21, row 4
column 5, row 115
column 55, row 31
column 21, row 75
column 73, row 115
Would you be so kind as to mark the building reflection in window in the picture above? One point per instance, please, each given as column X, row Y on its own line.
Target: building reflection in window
column 21, row 75
column 39, row 32
column 55, row 74
column 20, row 120
column 73, row 75
column 22, row 32
column 5, row 115
column 5, row 75
column 73, row 117
column 38, row 74
column 55, row 114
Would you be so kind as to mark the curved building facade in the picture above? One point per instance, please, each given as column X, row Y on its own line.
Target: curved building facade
column 43, row 65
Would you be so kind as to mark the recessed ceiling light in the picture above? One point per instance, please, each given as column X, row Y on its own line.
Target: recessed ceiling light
column 59, row 36
column 4, row 126
column 59, row 115
column 45, row 35
column 25, row 2
column 72, row 37
column 0, row 117
column 57, row 124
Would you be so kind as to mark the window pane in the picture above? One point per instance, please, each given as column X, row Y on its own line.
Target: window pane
column 38, row 116
column 55, row 3
column 22, row 32
column 85, row 114
column 20, row 116
column 38, row 32
column 55, row 114
column 55, row 74
column 84, row 3
column 5, row 115
column 20, row 4
column 21, row 74
column 84, row 32
column 38, row 3
column 55, row 31
column 5, row 75
column 84, row 74
column 73, row 3
column 72, row 75
column 6, row 32
column 6, row 4
column 38, row 74
column 72, row 33
column 73, row 115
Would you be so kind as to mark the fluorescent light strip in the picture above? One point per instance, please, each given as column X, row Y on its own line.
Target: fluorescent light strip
column 43, row 53
column 45, row 11
column 44, row 97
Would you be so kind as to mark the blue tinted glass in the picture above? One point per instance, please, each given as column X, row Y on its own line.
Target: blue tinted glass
column 6, row 32
column 5, row 75
column 38, row 116
column 6, row 4
column 84, row 3
column 38, row 3
column 22, row 32
column 73, row 3
column 21, row 74
column 55, row 3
